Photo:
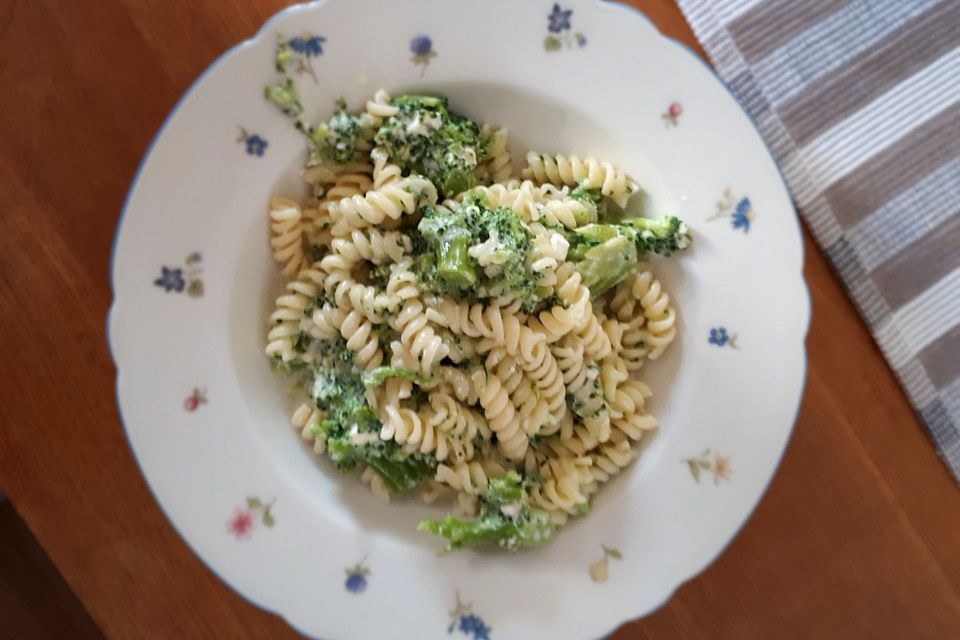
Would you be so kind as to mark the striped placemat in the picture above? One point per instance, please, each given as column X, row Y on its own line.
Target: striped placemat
column 859, row 100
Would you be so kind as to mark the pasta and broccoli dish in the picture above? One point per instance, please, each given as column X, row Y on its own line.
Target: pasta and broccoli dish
column 461, row 331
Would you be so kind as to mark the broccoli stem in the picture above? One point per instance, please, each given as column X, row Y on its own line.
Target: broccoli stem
column 453, row 261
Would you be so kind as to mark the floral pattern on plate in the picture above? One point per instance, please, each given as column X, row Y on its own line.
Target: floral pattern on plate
column 176, row 279
column 721, row 338
column 710, row 462
column 739, row 210
column 243, row 521
column 421, row 47
column 672, row 115
column 356, row 581
column 463, row 619
column 560, row 34
column 196, row 398
column 255, row 145
column 600, row 570
column 300, row 51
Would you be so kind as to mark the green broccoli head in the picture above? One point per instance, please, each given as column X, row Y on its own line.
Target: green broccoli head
column 448, row 234
column 379, row 375
column 425, row 137
column 351, row 429
column 604, row 254
column 663, row 236
column 506, row 519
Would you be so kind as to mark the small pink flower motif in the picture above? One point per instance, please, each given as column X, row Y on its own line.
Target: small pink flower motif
column 672, row 114
column 241, row 524
column 195, row 399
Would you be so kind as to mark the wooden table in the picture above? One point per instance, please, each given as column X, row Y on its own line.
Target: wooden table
column 858, row 535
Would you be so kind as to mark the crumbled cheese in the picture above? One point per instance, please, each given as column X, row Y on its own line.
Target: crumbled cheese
column 417, row 127
column 486, row 252
column 684, row 240
column 559, row 245
column 511, row 510
column 367, row 437
column 433, row 121
column 469, row 155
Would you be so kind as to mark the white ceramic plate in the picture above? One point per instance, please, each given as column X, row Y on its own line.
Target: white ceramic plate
column 194, row 282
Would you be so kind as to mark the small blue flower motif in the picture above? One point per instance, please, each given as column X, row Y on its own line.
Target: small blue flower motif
column 256, row 145
column 357, row 578
column 721, row 338
column 559, row 19
column 742, row 215
column 472, row 625
column 463, row 619
column 740, row 211
column 170, row 280
column 559, row 34
column 421, row 47
column 307, row 45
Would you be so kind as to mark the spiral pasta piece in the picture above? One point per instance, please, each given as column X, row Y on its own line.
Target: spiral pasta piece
column 596, row 341
column 561, row 319
column 376, row 484
column 362, row 340
column 291, row 318
column 384, row 171
column 387, row 204
column 287, row 235
column 370, row 244
column 469, row 477
column 417, row 336
column 498, row 164
column 379, row 109
column 561, row 493
column 587, row 172
column 454, row 419
column 501, row 416
column 568, row 212
column 495, row 324
column 304, row 419
column 408, row 428
column 660, row 317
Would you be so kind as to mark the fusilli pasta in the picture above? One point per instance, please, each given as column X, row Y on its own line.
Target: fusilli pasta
column 459, row 330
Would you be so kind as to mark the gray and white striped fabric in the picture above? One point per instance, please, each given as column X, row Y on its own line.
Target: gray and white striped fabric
column 859, row 100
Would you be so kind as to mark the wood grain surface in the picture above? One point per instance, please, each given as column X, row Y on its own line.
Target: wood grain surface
column 857, row 537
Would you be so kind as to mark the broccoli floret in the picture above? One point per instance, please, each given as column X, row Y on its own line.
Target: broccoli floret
column 447, row 235
column 378, row 376
column 401, row 471
column 663, row 236
column 605, row 265
column 506, row 518
column 425, row 137
column 337, row 138
column 606, row 253
column 351, row 429
column 284, row 95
